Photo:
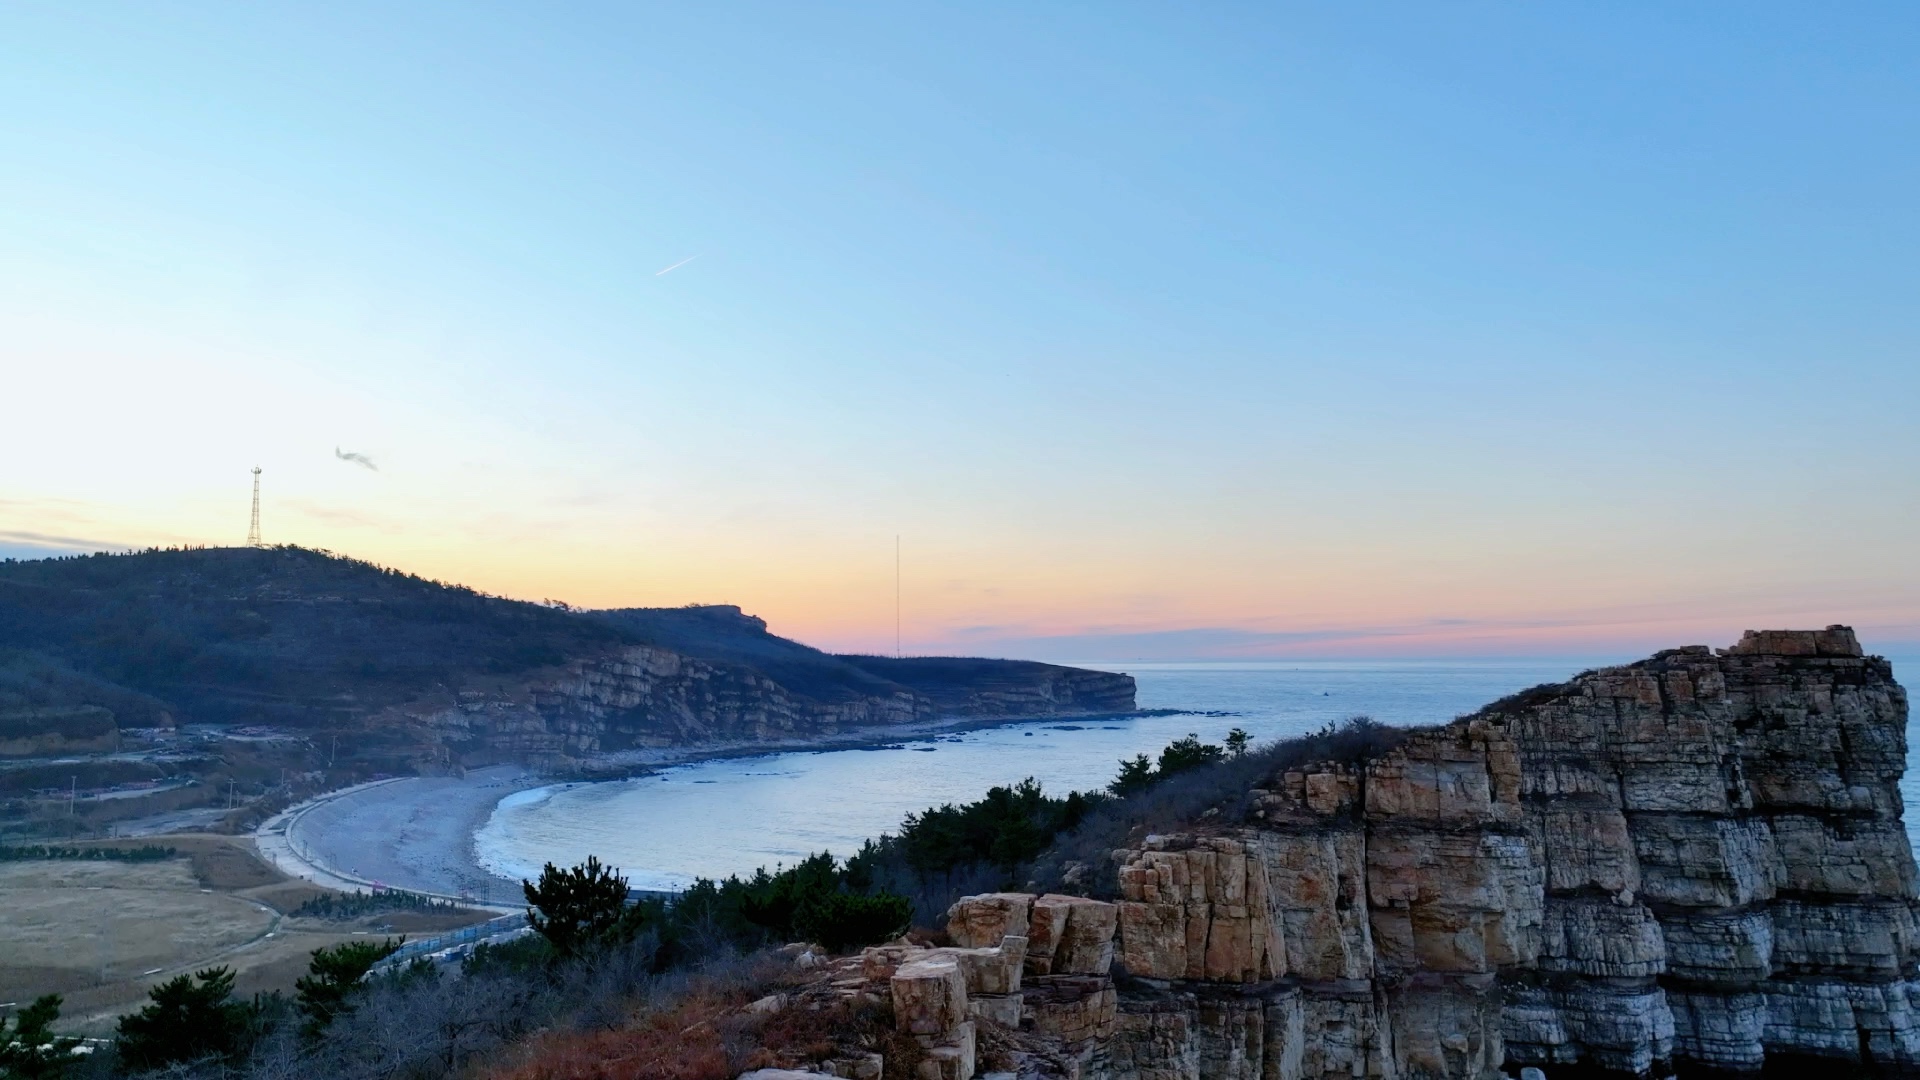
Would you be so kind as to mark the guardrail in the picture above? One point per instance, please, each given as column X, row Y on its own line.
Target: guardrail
column 505, row 925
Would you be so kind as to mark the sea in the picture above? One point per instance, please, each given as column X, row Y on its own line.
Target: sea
column 715, row 818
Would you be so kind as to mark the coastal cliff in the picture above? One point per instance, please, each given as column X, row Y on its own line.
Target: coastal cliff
column 1692, row 865
column 647, row 696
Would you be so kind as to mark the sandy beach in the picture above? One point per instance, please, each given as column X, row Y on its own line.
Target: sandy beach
column 413, row 833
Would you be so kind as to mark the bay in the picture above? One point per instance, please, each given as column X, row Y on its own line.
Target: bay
column 715, row 818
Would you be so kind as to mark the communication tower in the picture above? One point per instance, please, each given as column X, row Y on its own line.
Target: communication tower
column 253, row 529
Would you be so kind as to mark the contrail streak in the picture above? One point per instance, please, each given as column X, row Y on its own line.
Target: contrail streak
column 675, row 266
column 361, row 460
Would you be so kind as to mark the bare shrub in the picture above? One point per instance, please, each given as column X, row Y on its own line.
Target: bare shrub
column 606, row 982
column 425, row 1024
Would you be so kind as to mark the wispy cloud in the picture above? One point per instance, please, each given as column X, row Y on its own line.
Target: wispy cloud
column 49, row 543
column 361, row 460
column 1622, row 632
column 675, row 266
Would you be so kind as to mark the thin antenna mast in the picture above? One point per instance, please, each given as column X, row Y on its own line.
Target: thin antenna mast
column 896, row 596
column 253, row 529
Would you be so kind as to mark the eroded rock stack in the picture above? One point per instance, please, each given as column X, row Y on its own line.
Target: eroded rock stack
column 1694, row 864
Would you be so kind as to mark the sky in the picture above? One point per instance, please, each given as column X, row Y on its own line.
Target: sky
column 1151, row 331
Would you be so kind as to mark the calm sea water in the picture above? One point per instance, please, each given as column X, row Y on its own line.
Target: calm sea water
column 722, row 817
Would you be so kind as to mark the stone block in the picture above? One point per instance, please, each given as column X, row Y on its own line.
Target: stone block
column 1317, row 902
column 1153, row 939
column 1071, row 1008
column 1445, row 1028
column 1692, row 860
column 1087, row 946
column 1002, row 1009
column 879, row 962
column 1156, row 1038
column 979, row 922
column 1833, row 641
column 991, row 971
column 951, row 1058
column 1046, row 924
column 1602, row 939
column 929, row 995
column 1585, row 844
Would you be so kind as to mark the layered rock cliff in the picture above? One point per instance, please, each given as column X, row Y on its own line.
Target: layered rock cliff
column 648, row 696
column 1690, row 865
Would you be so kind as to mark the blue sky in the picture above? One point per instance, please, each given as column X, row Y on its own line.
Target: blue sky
column 1234, row 330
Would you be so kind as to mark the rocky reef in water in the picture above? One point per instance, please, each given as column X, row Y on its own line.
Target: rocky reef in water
column 1693, row 865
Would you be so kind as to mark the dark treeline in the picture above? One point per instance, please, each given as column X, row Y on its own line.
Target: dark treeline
column 355, row 904
column 146, row 853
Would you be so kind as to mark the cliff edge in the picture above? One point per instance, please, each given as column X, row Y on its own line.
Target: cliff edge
column 1692, row 865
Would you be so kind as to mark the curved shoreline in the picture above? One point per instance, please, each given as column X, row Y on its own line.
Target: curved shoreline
column 416, row 832
column 354, row 851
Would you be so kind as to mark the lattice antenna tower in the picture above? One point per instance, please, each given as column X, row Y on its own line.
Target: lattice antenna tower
column 253, row 528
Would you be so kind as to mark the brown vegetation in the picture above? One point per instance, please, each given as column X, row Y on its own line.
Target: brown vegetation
column 712, row 1035
column 686, row 1042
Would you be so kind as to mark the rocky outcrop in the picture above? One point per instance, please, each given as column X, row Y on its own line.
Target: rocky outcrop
column 648, row 696
column 1691, row 865
column 1724, row 831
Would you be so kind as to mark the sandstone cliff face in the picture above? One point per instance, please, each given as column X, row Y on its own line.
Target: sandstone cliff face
column 645, row 696
column 1694, row 864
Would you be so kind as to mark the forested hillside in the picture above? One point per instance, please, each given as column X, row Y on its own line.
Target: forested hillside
column 312, row 641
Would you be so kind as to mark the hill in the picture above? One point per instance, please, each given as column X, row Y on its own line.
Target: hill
column 314, row 642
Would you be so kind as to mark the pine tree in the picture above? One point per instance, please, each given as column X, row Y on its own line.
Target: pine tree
column 579, row 907
column 30, row 1050
column 332, row 977
column 1237, row 741
column 191, row 1018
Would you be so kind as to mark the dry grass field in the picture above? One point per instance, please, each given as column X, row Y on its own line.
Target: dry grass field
column 101, row 933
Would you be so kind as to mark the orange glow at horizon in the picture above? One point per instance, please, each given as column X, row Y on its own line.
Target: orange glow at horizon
column 1126, row 603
